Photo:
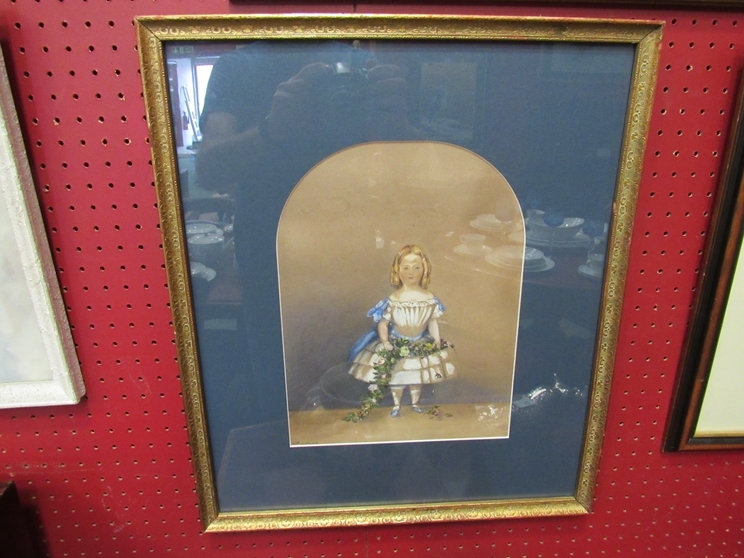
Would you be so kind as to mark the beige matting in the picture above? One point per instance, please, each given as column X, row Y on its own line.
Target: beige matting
column 445, row 422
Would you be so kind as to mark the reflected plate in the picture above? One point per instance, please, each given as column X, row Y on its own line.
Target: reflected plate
column 465, row 251
column 547, row 265
column 197, row 268
column 488, row 228
column 586, row 271
column 200, row 227
column 579, row 241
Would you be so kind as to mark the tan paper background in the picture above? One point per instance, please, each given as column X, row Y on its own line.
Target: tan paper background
column 342, row 226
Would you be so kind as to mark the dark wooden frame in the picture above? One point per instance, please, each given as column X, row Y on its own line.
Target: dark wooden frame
column 719, row 262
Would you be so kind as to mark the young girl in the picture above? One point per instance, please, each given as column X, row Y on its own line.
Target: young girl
column 411, row 312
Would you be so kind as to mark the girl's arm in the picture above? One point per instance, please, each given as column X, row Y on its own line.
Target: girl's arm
column 434, row 331
column 383, row 334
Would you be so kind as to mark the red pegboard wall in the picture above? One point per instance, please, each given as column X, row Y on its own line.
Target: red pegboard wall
column 112, row 476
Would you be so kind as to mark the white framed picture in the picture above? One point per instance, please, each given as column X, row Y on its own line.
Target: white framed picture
column 38, row 364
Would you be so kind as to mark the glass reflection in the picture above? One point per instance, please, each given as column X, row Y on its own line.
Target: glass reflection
column 549, row 120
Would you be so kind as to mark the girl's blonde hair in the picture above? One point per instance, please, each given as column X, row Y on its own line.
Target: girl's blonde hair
column 403, row 252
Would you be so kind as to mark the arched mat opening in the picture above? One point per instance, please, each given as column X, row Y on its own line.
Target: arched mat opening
column 338, row 234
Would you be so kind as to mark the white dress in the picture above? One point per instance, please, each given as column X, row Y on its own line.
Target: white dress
column 408, row 320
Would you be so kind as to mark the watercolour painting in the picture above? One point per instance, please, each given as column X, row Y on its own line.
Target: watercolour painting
column 424, row 194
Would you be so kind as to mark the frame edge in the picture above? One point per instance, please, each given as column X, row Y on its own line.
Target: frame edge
column 155, row 86
column 710, row 300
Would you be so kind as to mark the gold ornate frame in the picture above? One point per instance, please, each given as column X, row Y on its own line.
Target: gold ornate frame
column 154, row 32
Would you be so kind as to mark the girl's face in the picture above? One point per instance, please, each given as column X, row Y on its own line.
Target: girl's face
column 411, row 270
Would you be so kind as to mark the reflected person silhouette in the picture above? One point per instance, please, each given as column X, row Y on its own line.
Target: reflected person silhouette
column 273, row 110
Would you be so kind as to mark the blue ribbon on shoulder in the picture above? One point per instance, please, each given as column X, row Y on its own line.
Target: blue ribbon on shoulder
column 378, row 310
column 376, row 314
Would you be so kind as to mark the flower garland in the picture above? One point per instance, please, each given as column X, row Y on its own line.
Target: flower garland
column 384, row 363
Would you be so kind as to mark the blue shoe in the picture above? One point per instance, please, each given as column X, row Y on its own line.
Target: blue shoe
column 395, row 413
column 417, row 409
